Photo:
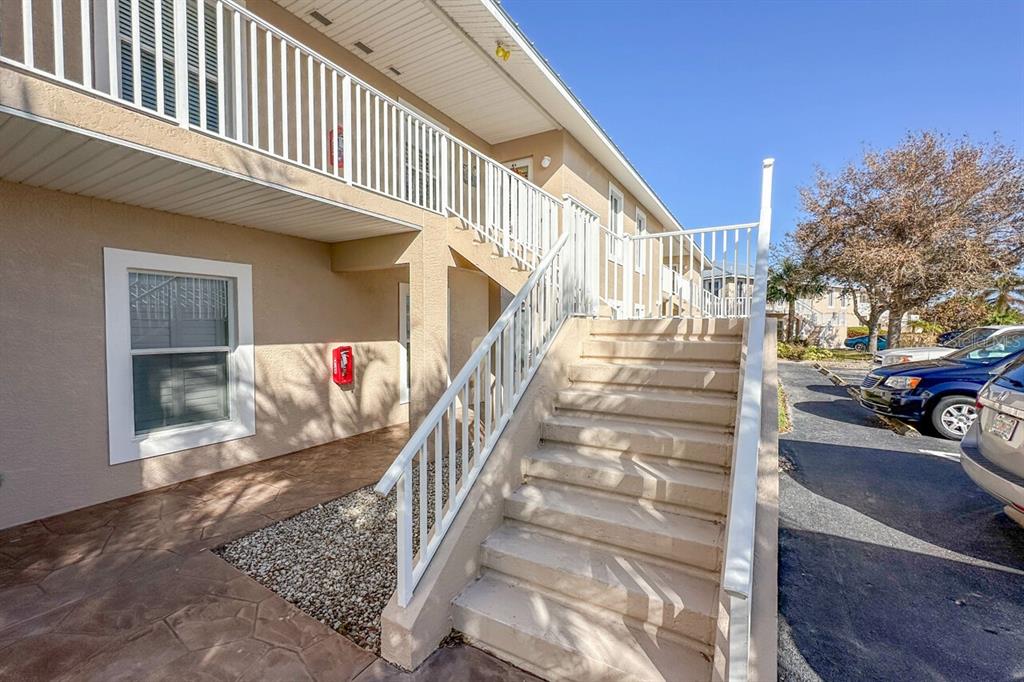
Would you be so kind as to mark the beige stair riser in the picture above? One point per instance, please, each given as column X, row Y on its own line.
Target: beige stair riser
column 663, row 350
column 694, row 410
column 694, row 553
column 721, row 380
column 704, row 329
column 703, row 495
column 643, row 607
column 718, row 453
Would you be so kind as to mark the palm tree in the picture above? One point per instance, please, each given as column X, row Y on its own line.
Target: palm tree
column 1006, row 292
column 789, row 281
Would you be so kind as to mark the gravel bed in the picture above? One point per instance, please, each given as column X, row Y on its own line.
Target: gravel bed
column 336, row 561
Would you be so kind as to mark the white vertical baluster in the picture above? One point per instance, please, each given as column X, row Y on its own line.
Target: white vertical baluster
column 236, row 37
column 136, row 54
column 113, row 55
column 388, row 112
column 368, row 138
column 476, row 419
column 438, row 476
column 221, row 83
column 310, row 120
column 377, row 160
column 335, row 152
column 27, row 43
column 180, row 20
column 357, row 142
column 86, row 26
column 465, row 430
column 254, row 85
column 268, row 51
column 403, row 185
column 58, row 39
column 323, row 117
column 285, row 132
column 158, row 47
column 423, row 502
column 404, row 531
column 346, row 114
column 450, row 416
column 201, row 46
column 297, row 66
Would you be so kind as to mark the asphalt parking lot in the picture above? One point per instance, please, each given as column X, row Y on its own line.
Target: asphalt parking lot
column 893, row 565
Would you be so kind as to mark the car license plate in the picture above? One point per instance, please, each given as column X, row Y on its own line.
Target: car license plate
column 1003, row 426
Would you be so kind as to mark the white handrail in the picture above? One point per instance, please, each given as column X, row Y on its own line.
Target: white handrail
column 738, row 564
column 239, row 78
column 478, row 405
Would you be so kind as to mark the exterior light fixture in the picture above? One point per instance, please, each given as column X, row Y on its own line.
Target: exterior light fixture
column 502, row 52
column 545, row 162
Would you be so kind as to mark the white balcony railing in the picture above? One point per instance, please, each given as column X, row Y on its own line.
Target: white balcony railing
column 216, row 68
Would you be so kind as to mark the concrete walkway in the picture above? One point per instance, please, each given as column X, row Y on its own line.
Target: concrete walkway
column 893, row 565
column 128, row 589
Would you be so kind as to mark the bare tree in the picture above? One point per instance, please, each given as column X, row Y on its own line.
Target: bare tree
column 924, row 219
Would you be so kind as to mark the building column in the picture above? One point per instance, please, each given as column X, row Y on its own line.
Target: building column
column 428, row 294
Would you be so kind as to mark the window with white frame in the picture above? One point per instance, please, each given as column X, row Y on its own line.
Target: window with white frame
column 831, row 298
column 615, row 224
column 643, row 245
column 179, row 353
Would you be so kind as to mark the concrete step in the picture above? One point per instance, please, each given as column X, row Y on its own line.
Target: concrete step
column 708, row 328
column 651, row 404
column 652, row 478
column 694, row 377
column 600, row 576
column 625, row 522
column 724, row 352
column 690, row 443
column 553, row 640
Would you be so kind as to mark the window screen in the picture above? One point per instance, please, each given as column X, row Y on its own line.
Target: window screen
column 180, row 336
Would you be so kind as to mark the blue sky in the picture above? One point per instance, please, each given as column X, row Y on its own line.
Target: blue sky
column 697, row 93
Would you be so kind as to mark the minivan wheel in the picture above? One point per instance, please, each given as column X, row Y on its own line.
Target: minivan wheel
column 953, row 415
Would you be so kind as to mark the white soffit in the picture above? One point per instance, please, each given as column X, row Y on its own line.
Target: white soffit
column 436, row 60
column 46, row 154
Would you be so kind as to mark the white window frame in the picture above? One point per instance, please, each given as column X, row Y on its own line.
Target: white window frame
column 831, row 298
column 616, row 224
column 640, row 249
column 125, row 445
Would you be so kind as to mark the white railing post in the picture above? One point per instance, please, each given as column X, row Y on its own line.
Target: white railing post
column 737, row 571
column 626, row 244
column 181, row 62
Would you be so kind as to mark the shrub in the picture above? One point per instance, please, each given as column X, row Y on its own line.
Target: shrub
column 815, row 353
column 862, row 331
column 792, row 351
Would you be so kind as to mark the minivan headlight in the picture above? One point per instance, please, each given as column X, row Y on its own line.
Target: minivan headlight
column 903, row 383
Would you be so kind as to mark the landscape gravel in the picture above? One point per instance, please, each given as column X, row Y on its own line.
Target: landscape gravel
column 335, row 562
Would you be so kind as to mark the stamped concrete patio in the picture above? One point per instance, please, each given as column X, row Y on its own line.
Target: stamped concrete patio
column 128, row 589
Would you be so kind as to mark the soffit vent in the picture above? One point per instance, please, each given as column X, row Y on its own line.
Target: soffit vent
column 321, row 18
column 394, row 71
column 365, row 49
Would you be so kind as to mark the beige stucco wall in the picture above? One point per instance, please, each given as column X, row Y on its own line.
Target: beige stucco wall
column 54, row 453
column 468, row 311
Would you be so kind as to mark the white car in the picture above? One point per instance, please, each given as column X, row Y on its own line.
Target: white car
column 899, row 356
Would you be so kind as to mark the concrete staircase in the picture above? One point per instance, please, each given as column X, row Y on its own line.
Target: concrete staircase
column 484, row 256
column 607, row 564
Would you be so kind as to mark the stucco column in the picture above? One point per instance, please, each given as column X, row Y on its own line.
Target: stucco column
column 428, row 314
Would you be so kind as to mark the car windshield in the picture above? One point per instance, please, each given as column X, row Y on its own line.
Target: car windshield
column 990, row 351
column 970, row 337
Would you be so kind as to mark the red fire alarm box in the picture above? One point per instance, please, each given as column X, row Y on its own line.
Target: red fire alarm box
column 342, row 365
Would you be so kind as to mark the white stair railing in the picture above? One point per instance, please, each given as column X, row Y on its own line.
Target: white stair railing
column 436, row 469
column 214, row 67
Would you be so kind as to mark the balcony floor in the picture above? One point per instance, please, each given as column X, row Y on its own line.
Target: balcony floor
column 128, row 589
